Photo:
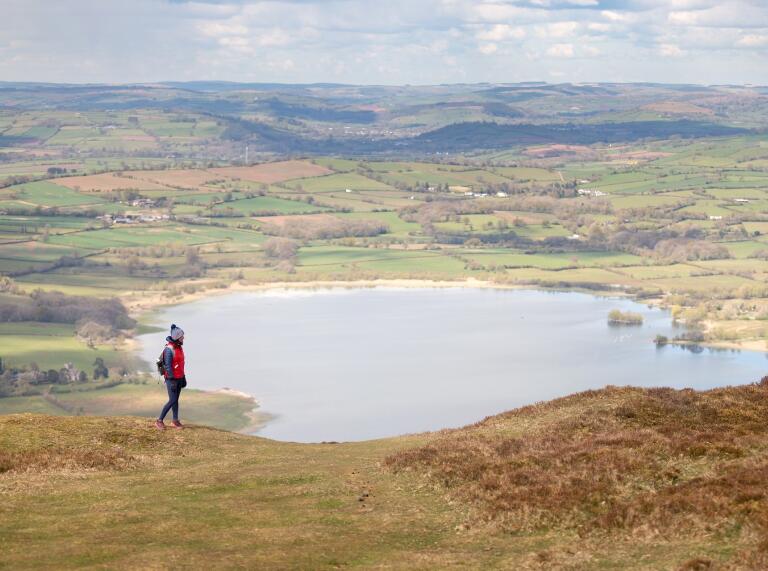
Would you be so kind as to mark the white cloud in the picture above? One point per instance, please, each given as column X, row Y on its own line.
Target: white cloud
column 599, row 27
column 488, row 49
column 238, row 44
column 558, row 30
column 497, row 12
column 417, row 41
column 219, row 29
column 548, row 3
column 728, row 13
column 561, row 51
column 501, row 32
column 753, row 41
column 275, row 37
column 591, row 51
column 670, row 50
column 613, row 16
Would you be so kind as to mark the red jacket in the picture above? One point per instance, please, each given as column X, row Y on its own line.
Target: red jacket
column 173, row 358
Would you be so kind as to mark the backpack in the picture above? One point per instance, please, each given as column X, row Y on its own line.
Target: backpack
column 160, row 363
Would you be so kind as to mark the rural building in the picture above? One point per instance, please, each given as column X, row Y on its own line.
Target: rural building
column 591, row 192
column 143, row 203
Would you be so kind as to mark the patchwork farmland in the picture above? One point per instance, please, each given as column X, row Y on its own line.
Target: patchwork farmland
column 147, row 207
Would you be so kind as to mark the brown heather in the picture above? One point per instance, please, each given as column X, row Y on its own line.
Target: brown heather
column 62, row 459
column 655, row 462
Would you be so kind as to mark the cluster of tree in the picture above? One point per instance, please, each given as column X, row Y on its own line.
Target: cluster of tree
column 324, row 228
column 618, row 317
column 644, row 241
column 194, row 266
column 63, row 262
column 22, row 380
column 51, row 211
column 94, row 332
column 159, row 251
column 124, row 195
column 13, row 180
column 445, row 210
column 686, row 249
column 57, row 307
column 32, row 380
column 281, row 248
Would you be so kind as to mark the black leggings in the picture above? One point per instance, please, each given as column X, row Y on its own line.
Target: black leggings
column 174, row 391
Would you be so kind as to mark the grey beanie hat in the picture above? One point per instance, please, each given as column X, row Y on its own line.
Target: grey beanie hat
column 176, row 332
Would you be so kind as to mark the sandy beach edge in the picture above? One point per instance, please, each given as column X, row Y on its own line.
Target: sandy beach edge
column 257, row 419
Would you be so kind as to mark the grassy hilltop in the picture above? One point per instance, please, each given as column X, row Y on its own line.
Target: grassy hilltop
column 620, row 478
column 113, row 202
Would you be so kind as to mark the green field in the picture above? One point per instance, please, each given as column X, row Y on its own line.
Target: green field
column 220, row 410
column 265, row 205
column 337, row 182
column 684, row 222
column 52, row 347
column 48, row 194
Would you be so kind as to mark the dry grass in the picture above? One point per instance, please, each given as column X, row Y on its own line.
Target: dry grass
column 620, row 478
column 678, row 108
column 106, row 182
column 186, row 178
column 57, row 459
column 556, row 149
column 621, row 461
column 310, row 219
column 269, row 173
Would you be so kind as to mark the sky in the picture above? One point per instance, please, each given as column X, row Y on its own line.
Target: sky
column 385, row 42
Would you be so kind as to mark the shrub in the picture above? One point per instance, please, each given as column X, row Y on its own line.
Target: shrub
column 617, row 459
column 280, row 248
column 684, row 249
column 324, row 228
column 617, row 317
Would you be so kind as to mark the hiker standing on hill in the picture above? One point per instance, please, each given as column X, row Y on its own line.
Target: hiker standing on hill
column 173, row 371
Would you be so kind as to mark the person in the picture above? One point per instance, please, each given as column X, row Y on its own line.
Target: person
column 175, row 379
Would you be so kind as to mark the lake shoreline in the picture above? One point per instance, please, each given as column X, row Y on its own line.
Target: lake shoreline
column 141, row 306
column 257, row 419
column 261, row 422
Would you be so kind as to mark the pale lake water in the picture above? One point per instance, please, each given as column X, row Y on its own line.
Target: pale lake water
column 336, row 365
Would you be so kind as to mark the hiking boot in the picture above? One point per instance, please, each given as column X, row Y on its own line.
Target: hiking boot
column 160, row 425
column 177, row 424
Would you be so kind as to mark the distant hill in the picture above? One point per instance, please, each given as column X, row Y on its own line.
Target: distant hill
column 488, row 135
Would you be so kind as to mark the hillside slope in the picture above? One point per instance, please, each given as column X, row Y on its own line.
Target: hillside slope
column 618, row 478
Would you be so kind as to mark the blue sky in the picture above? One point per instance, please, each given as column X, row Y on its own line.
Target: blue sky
column 385, row 41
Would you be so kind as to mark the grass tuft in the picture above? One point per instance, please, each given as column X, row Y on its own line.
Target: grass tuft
column 63, row 459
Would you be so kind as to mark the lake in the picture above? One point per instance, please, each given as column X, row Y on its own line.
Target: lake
column 341, row 364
